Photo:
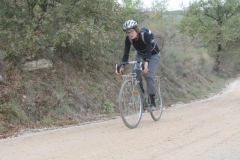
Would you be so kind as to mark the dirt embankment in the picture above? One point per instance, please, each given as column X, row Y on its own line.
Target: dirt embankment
column 207, row 129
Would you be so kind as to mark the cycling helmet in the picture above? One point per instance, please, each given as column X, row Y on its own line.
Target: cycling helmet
column 130, row 24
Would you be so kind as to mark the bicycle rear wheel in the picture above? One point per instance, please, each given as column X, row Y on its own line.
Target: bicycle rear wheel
column 130, row 104
column 156, row 114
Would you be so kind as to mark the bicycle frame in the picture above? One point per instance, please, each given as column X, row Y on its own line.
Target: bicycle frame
column 133, row 77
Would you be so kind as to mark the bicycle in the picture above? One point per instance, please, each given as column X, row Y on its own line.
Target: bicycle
column 132, row 100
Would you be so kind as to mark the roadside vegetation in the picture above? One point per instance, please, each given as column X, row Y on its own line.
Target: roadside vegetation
column 84, row 40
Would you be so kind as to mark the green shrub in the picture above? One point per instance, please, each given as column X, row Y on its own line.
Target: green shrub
column 108, row 107
column 1, row 127
column 13, row 114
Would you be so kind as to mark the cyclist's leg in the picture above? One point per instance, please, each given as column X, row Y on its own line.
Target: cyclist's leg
column 138, row 71
column 149, row 76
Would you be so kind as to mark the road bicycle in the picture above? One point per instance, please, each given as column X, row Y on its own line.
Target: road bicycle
column 132, row 99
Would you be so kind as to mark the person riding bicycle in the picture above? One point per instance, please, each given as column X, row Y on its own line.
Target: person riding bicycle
column 146, row 51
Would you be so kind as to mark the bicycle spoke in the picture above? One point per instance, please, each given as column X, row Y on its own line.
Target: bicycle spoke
column 130, row 104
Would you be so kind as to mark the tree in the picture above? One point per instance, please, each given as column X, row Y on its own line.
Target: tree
column 131, row 6
column 157, row 11
column 133, row 9
column 215, row 22
column 32, row 27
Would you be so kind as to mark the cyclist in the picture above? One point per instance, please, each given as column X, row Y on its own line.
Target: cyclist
column 147, row 51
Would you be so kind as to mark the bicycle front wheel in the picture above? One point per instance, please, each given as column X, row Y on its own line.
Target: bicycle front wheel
column 130, row 104
column 156, row 114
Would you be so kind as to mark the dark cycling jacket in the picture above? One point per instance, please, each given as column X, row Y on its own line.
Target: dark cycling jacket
column 146, row 50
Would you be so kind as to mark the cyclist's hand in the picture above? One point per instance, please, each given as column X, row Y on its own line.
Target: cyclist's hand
column 120, row 71
column 145, row 67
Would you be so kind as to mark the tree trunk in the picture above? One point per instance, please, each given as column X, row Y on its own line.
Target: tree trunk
column 44, row 6
column 30, row 8
column 217, row 61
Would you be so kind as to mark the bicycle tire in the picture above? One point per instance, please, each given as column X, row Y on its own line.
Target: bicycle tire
column 156, row 114
column 130, row 104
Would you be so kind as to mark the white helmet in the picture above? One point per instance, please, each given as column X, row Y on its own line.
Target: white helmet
column 130, row 24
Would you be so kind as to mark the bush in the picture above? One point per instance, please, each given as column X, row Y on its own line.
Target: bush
column 108, row 107
column 90, row 30
column 14, row 114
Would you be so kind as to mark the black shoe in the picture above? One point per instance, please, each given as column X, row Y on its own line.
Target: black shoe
column 152, row 100
column 151, row 108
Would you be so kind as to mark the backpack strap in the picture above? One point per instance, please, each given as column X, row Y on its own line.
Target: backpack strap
column 149, row 32
column 142, row 34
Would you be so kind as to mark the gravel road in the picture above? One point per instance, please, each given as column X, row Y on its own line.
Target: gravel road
column 203, row 130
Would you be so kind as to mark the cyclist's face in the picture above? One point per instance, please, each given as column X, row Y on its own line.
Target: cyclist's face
column 131, row 33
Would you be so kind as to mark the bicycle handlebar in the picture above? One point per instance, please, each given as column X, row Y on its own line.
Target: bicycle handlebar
column 118, row 66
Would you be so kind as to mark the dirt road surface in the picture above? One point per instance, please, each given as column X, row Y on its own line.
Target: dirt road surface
column 203, row 130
